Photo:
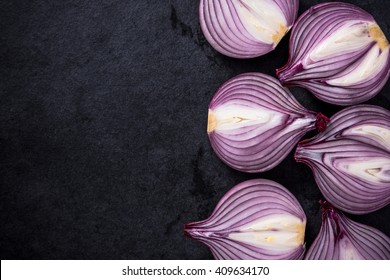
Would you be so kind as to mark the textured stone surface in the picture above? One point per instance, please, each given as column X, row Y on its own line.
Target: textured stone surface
column 103, row 145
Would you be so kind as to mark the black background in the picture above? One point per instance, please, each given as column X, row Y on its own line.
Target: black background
column 103, row 112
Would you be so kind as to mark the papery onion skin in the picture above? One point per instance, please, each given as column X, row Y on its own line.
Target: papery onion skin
column 350, row 160
column 339, row 53
column 261, row 208
column 340, row 238
column 254, row 122
column 231, row 26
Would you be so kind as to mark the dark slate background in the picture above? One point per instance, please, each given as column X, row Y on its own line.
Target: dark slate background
column 103, row 113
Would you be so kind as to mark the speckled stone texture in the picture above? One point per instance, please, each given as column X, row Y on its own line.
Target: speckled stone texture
column 103, row 113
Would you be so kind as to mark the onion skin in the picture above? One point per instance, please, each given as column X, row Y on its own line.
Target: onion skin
column 351, row 159
column 261, row 208
column 234, row 27
column 343, row 239
column 254, row 122
column 339, row 53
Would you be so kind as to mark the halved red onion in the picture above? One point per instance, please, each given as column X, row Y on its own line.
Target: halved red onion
column 340, row 238
column 351, row 159
column 254, row 122
column 257, row 219
column 246, row 28
column 339, row 53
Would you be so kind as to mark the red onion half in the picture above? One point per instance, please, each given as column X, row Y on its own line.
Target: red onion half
column 257, row 219
column 351, row 159
column 343, row 239
column 339, row 53
column 254, row 122
column 246, row 28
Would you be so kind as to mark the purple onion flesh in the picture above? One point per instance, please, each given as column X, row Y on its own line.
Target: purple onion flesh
column 351, row 159
column 257, row 219
column 339, row 53
column 340, row 238
column 254, row 122
column 246, row 28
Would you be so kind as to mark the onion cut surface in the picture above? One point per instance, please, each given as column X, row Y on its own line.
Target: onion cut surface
column 253, row 122
column 339, row 53
column 257, row 219
column 246, row 28
column 340, row 238
column 351, row 159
